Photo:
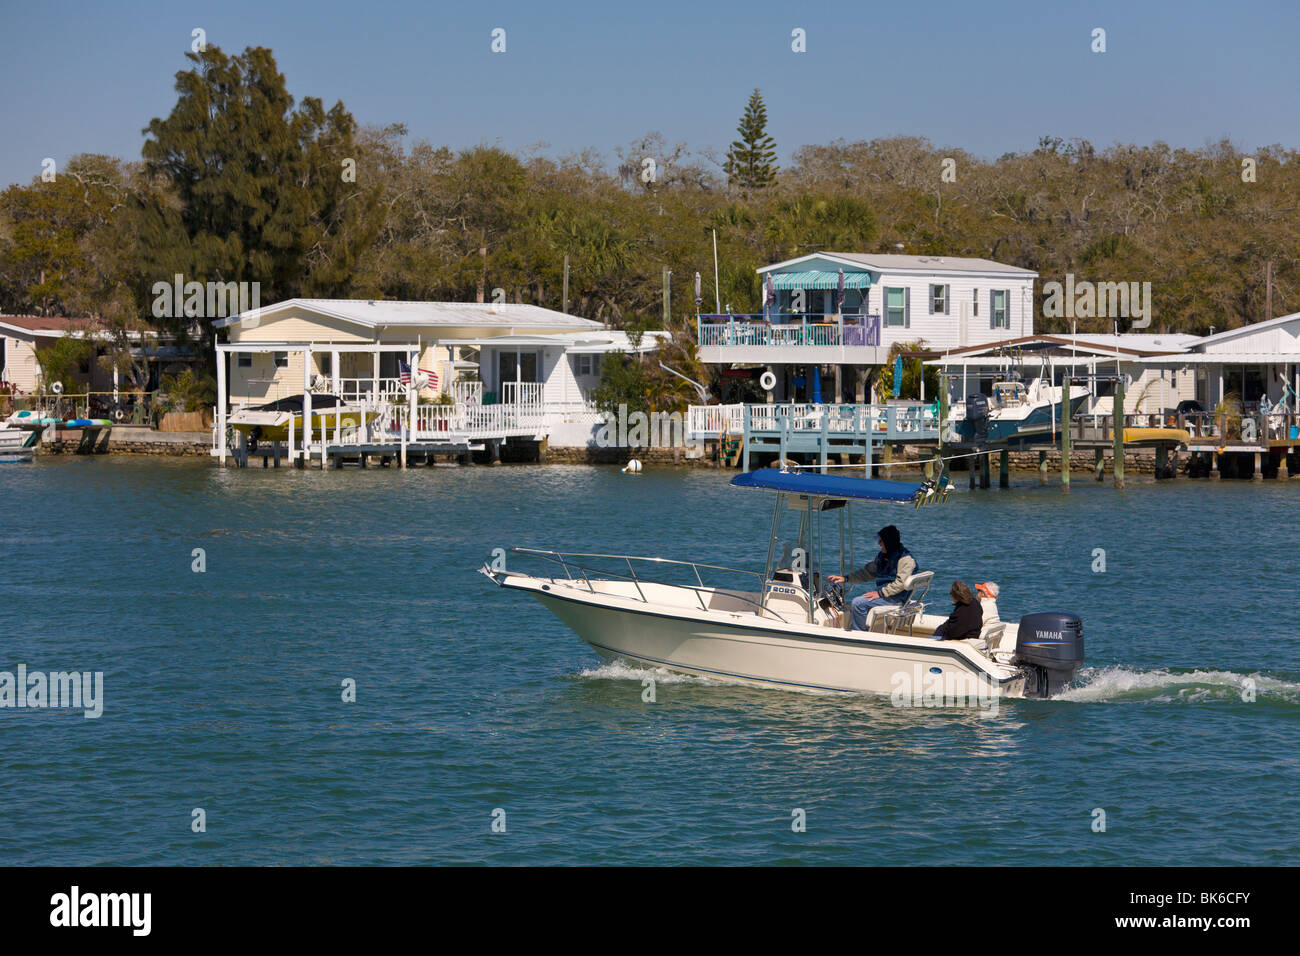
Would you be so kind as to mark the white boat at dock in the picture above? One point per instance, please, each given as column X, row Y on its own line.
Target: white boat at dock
column 789, row 626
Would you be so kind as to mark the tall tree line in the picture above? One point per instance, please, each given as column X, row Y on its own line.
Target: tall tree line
column 240, row 182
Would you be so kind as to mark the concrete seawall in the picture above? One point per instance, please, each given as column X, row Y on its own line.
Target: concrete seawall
column 125, row 440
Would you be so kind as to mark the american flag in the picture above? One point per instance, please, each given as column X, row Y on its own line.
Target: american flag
column 405, row 371
column 433, row 377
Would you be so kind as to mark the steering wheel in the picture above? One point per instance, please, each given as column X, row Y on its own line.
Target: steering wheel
column 834, row 595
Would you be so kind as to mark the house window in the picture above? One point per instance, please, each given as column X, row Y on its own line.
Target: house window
column 1000, row 318
column 281, row 359
column 975, row 295
column 243, row 360
column 938, row 300
column 326, row 363
column 896, row 307
column 587, row 364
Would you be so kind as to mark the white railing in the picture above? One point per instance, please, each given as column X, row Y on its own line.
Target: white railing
column 363, row 389
column 521, row 393
column 709, row 420
column 901, row 420
column 789, row 330
column 467, row 393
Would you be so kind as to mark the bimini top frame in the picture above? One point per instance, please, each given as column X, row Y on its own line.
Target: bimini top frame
column 831, row 486
column 813, row 494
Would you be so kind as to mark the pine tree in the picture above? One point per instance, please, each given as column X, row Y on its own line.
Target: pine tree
column 257, row 191
column 751, row 160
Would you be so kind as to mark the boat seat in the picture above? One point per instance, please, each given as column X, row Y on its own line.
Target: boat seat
column 995, row 638
column 894, row 619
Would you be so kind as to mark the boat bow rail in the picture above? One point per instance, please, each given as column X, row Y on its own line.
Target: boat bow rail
column 571, row 561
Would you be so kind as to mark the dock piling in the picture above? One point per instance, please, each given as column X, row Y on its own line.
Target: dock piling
column 1117, row 466
column 1065, row 433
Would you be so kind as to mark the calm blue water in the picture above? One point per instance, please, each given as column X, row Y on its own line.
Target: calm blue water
column 222, row 689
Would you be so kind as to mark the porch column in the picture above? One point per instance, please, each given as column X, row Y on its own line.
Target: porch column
column 221, row 406
column 306, row 405
column 409, row 434
column 336, row 373
column 375, row 393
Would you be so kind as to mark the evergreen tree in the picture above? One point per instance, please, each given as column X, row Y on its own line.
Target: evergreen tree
column 751, row 160
column 257, row 186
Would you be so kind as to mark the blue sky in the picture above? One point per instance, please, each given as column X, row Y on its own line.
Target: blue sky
column 989, row 77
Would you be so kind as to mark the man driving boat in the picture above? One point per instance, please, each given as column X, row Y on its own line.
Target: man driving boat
column 889, row 569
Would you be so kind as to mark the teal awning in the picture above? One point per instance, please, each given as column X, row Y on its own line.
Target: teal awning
column 819, row 280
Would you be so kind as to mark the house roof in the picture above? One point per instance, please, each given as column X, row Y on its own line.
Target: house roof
column 47, row 325
column 1249, row 329
column 376, row 313
column 929, row 265
column 1134, row 345
column 1155, row 342
column 577, row 343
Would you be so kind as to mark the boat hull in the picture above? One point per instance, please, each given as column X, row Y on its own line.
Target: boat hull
column 764, row 652
column 275, row 426
column 1041, row 424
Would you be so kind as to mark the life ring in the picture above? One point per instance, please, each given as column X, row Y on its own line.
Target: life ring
column 57, row 388
column 767, row 381
column 119, row 414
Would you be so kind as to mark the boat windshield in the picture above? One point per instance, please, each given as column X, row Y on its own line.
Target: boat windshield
column 294, row 403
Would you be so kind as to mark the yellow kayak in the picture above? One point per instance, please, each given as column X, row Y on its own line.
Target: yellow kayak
column 1139, row 436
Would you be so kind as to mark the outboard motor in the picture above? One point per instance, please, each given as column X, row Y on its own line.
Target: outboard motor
column 1050, row 645
column 977, row 413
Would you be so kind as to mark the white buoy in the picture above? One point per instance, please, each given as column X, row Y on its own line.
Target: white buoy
column 633, row 467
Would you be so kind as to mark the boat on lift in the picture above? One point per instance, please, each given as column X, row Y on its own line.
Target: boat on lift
column 1016, row 413
column 270, row 422
column 788, row 625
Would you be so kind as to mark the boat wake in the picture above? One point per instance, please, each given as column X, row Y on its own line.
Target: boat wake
column 621, row 670
column 1101, row 684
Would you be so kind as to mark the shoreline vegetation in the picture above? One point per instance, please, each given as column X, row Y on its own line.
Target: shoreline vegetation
column 241, row 183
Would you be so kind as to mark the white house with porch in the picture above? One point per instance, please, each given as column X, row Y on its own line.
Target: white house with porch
column 831, row 317
column 482, row 371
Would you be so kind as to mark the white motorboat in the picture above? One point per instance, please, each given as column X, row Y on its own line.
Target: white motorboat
column 1016, row 413
column 20, row 433
column 789, row 626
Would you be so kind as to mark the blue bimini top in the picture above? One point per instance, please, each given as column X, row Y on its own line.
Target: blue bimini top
column 828, row 486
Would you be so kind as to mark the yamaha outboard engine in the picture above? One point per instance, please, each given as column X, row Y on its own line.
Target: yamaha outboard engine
column 977, row 413
column 1050, row 646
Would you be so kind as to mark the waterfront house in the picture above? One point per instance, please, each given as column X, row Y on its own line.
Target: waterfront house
column 501, row 370
column 23, row 336
column 357, row 346
column 1257, row 362
column 819, row 346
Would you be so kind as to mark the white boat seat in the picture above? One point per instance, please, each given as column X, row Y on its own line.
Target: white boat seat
column 895, row 619
column 998, row 644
